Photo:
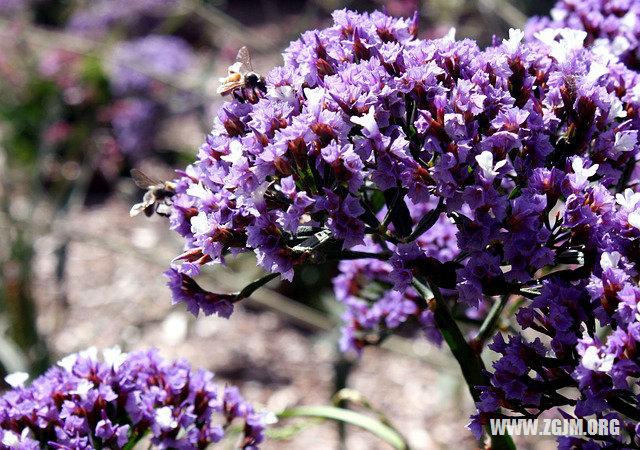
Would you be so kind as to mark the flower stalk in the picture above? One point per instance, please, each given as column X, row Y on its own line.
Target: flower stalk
column 470, row 362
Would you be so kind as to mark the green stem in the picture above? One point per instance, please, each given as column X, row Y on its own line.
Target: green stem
column 470, row 362
column 254, row 286
column 488, row 327
column 137, row 437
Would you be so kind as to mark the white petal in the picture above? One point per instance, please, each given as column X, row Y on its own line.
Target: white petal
column 499, row 164
column 68, row 362
column 574, row 39
column 515, row 37
column 10, row 439
column 593, row 361
column 314, row 96
column 90, row 353
column 629, row 199
column 609, row 260
column 596, row 71
column 591, row 171
column 629, row 21
column 557, row 14
column 235, row 152
column 199, row 191
column 625, row 142
column 270, row 418
column 164, row 417
column 200, row 224
column 282, row 93
column 16, row 379
column 616, row 110
column 634, row 219
column 577, row 165
column 485, row 161
column 368, row 121
column 114, row 357
column 620, row 45
column 547, row 36
column 451, row 35
column 84, row 386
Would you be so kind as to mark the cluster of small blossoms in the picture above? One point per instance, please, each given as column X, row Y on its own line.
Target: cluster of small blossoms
column 134, row 123
column 364, row 114
column 88, row 403
column 601, row 220
column 532, row 377
column 139, row 93
column 143, row 63
column 612, row 27
column 611, row 30
column 364, row 286
column 368, row 140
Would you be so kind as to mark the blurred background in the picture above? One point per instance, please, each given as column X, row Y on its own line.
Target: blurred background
column 92, row 88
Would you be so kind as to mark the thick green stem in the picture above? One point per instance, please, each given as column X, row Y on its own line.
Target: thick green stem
column 470, row 362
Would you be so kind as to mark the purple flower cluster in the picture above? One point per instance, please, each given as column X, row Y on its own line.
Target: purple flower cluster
column 88, row 403
column 498, row 172
column 134, row 125
column 612, row 27
column 364, row 286
column 532, row 377
column 362, row 115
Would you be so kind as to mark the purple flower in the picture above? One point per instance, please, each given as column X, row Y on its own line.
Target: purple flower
column 86, row 401
column 509, row 171
column 185, row 289
column 611, row 28
column 501, row 137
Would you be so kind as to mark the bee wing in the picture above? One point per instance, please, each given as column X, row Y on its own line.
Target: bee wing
column 229, row 86
column 142, row 180
column 244, row 58
column 137, row 209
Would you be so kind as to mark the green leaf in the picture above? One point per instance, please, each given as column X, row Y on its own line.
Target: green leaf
column 367, row 423
column 515, row 193
column 427, row 221
column 377, row 201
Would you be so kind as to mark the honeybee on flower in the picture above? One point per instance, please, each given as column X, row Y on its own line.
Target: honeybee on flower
column 241, row 81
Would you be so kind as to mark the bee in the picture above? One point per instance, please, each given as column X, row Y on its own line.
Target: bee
column 157, row 198
column 241, row 81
